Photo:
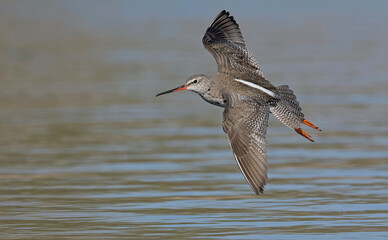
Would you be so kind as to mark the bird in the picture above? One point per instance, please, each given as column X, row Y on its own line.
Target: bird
column 247, row 97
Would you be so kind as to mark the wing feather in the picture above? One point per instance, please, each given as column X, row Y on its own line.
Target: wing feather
column 224, row 40
column 245, row 123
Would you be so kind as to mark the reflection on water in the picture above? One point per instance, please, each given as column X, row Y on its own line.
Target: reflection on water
column 87, row 152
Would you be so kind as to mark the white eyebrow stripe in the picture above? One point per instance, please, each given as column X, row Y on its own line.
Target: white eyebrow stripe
column 272, row 94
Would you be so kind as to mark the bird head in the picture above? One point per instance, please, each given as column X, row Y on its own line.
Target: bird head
column 199, row 83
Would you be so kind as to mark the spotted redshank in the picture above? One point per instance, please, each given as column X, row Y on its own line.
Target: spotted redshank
column 247, row 96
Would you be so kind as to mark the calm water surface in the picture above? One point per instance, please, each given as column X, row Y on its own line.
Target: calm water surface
column 87, row 152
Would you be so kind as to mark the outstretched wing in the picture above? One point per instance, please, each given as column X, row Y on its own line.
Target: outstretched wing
column 245, row 122
column 223, row 39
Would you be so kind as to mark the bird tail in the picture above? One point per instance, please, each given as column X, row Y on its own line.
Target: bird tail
column 290, row 113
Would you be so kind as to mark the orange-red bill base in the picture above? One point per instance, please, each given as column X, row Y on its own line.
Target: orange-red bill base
column 183, row 87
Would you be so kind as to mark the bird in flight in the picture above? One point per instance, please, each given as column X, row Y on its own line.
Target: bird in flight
column 247, row 98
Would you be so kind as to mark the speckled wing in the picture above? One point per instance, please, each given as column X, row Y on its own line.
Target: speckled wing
column 287, row 108
column 245, row 122
column 223, row 39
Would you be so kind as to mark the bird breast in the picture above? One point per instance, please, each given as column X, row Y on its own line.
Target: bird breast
column 214, row 98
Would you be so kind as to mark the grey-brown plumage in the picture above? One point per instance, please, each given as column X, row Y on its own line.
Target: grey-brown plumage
column 223, row 39
column 245, row 122
column 241, row 88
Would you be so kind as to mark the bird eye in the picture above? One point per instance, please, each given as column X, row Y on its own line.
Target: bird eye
column 195, row 81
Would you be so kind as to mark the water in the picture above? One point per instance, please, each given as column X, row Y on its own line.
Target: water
column 87, row 152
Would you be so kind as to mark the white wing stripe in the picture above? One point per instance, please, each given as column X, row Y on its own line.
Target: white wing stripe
column 272, row 94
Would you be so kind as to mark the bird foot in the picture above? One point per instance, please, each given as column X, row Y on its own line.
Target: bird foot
column 310, row 124
column 304, row 134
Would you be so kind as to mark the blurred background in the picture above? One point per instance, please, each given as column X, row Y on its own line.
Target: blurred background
column 88, row 152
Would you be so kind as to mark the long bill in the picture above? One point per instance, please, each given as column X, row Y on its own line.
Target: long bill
column 183, row 87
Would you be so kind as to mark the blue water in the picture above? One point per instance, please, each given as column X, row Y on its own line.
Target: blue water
column 88, row 152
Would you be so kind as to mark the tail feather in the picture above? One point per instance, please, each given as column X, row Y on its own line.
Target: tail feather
column 288, row 111
column 289, row 97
